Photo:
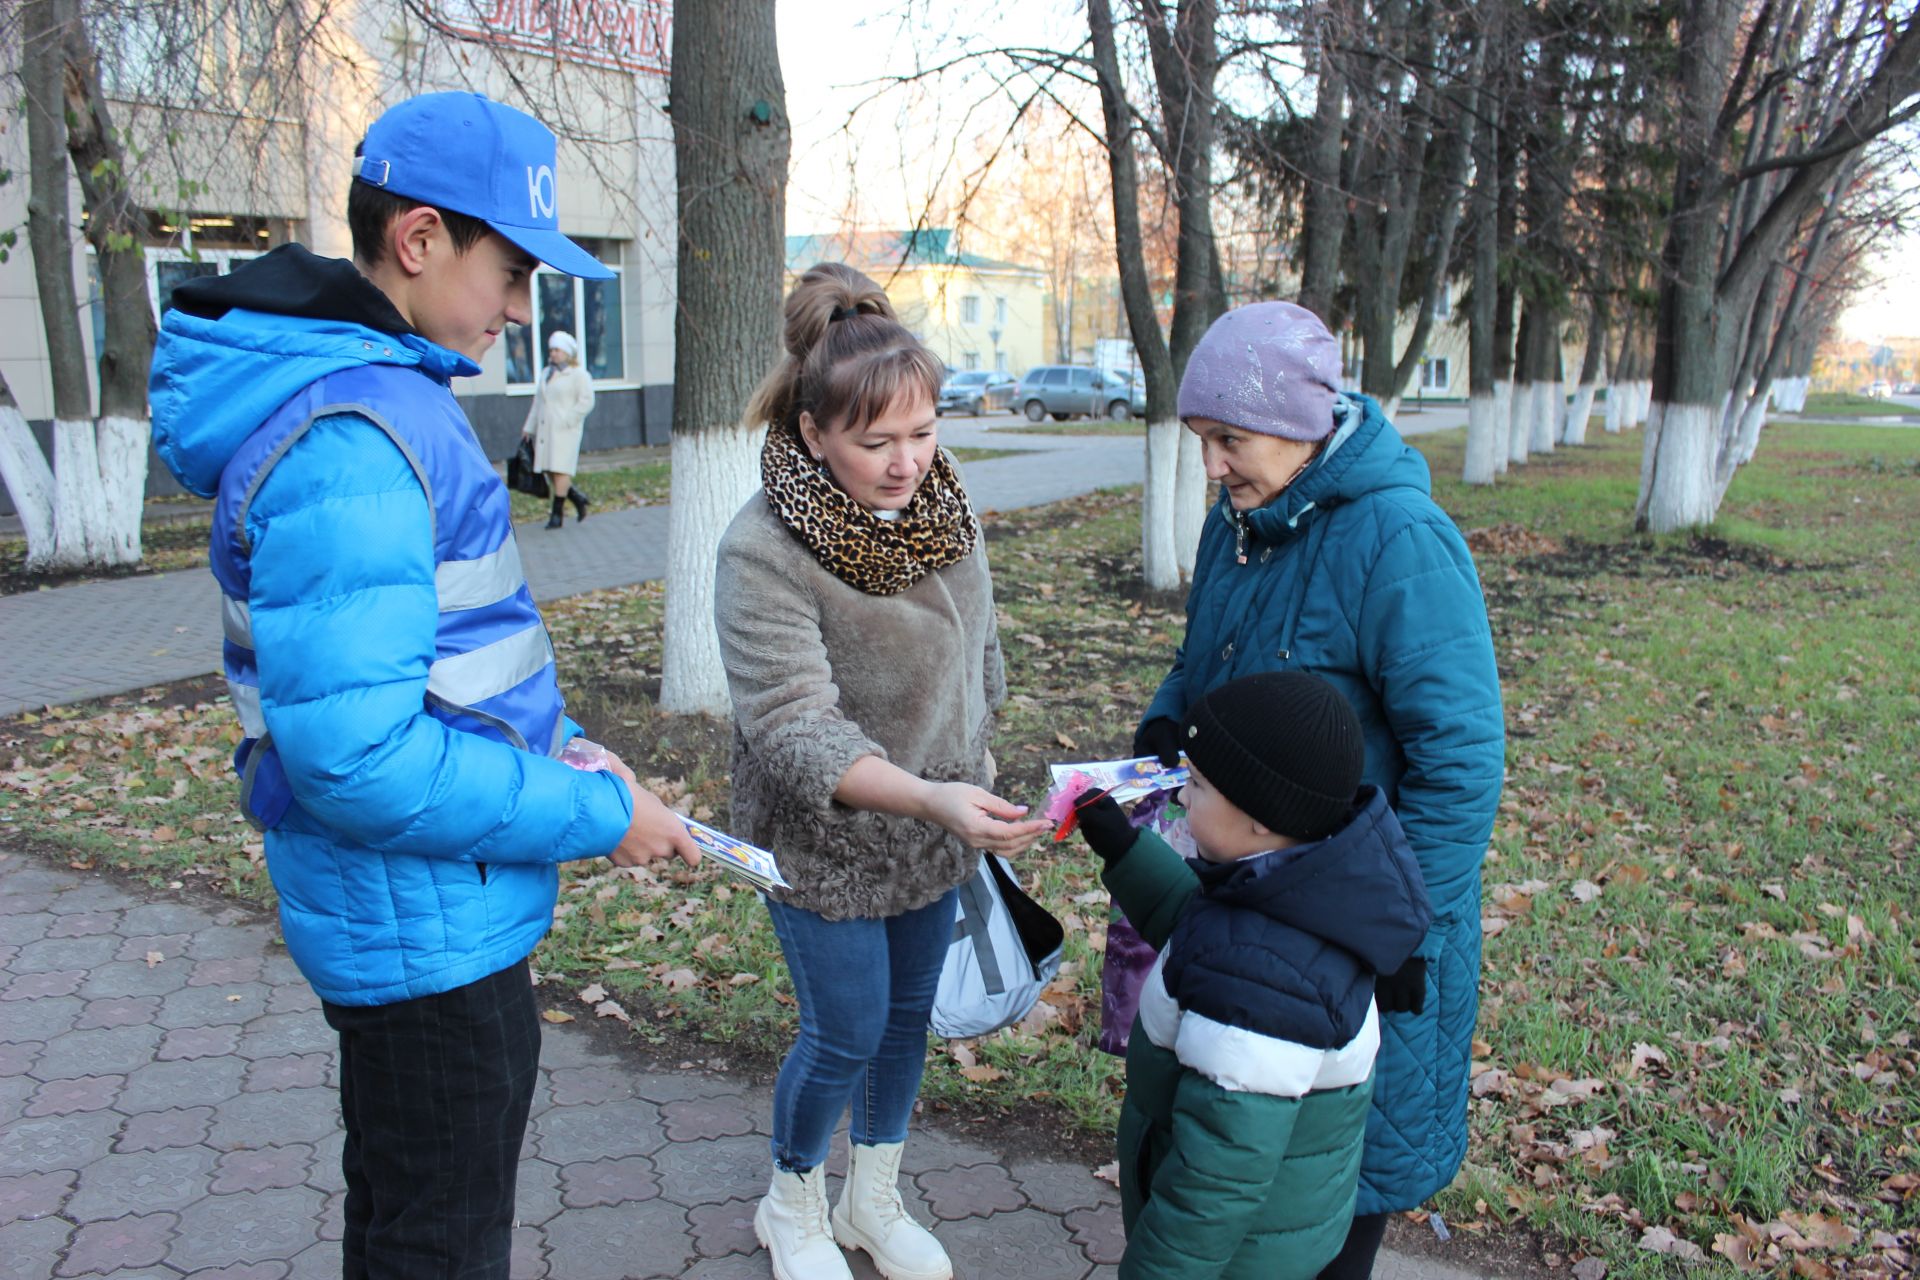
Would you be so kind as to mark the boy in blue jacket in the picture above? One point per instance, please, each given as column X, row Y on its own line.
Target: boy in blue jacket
column 393, row 679
column 1250, row 1063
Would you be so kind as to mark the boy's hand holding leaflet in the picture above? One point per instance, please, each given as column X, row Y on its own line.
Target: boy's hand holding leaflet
column 658, row 832
column 1124, row 781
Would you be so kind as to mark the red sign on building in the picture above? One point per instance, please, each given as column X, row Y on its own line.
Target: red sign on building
column 631, row 35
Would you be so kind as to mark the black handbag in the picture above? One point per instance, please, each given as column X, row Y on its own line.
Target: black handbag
column 521, row 477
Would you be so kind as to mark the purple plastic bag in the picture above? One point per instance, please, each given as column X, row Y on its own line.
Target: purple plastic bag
column 1122, row 972
column 1128, row 959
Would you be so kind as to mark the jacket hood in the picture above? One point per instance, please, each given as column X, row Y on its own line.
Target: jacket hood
column 1359, row 889
column 1364, row 455
column 234, row 348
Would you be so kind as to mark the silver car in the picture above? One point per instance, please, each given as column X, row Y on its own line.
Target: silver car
column 975, row 391
column 1074, row 390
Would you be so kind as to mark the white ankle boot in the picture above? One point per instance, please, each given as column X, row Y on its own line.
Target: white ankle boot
column 871, row 1217
column 792, row 1223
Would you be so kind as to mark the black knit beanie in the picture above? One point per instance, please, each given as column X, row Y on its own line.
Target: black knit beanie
column 1284, row 747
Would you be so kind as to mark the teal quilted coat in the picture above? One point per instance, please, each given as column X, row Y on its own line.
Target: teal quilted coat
column 1354, row 574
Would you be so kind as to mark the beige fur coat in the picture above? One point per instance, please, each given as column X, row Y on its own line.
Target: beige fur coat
column 822, row 674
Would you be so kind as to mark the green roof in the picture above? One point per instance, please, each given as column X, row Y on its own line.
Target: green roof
column 888, row 251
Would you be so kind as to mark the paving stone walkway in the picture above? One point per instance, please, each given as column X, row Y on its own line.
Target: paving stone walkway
column 167, row 1090
column 168, row 1109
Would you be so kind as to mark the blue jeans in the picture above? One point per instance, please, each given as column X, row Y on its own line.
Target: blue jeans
column 865, row 990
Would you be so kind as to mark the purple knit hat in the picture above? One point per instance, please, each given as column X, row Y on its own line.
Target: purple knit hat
column 1269, row 367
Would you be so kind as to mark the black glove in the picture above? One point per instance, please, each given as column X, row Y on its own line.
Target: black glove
column 1402, row 992
column 1104, row 824
column 1159, row 737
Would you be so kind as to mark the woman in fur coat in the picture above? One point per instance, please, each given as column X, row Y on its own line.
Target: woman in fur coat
column 557, row 420
column 856, row 621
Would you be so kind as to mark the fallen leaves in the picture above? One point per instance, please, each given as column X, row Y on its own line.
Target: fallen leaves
column 1661, row 1240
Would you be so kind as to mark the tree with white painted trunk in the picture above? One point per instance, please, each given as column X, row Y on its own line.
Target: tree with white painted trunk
column 1735, row 212
column 1486, row 437
column 732, row 141
column 1184, row 62
column 1592, row 358
column 82, row 510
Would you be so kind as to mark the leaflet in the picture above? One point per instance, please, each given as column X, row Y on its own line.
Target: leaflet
column 1125, row 780
column 748, row 862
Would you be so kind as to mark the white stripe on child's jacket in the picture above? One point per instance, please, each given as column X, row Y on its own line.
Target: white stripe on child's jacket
column 1244, row 1061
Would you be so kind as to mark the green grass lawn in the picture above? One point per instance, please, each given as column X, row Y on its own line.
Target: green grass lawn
column 1848, row 404
column 1702, row 966
column 1075, row 427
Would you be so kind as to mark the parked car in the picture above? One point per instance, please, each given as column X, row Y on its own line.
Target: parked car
column 1879, row 389
column 1074, row 390
column 975, row 391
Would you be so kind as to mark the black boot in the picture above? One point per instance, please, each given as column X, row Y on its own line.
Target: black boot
column 559, row 516
column 580, row 503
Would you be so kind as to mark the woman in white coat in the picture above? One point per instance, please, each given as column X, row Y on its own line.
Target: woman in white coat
column 562, row 399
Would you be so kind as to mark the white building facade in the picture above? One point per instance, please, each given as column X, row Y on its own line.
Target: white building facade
column 242, row 131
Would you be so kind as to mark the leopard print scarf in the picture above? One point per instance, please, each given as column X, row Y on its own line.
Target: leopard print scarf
column 879, row 557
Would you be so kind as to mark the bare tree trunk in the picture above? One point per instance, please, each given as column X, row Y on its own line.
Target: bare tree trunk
column 44, row 25
column 1452, row 197
column 1486, row 440
column 1520, row 423
column 1753, row 416
column 112, row 491
column 28, row 478
column 1512, row 446
column 732, row 140
column 1388, row 210
column 88, row 512
column 1159, row 560
column 1677, row 456
column 1324, row 220
column 1575, row 430
column 1185, row 64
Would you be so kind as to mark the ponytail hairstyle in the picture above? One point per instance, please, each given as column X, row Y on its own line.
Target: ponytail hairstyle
column 847, row 357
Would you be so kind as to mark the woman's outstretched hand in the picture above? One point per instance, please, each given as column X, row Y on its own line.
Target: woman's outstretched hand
column 981, row 819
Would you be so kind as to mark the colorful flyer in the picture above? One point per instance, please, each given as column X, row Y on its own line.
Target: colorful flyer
column 744, row 860
column 1126, row 780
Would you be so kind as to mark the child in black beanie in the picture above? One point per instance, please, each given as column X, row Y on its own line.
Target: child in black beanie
column 1250, row 1064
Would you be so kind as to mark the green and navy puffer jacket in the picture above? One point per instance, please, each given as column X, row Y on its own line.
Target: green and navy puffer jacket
column 1250, row 1063
column 1354, row 574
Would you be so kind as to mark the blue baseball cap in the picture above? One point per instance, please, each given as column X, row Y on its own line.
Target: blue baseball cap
column 472, row 155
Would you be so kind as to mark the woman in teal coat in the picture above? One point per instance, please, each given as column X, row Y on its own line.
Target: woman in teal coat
column 1326, row 553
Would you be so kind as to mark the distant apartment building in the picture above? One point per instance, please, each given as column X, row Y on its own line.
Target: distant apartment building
column 971, row 311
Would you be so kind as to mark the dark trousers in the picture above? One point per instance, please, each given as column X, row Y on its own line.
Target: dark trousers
column 1355, row 1259
column 435, row 1093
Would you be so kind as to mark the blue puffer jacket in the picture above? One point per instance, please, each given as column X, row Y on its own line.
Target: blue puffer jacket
column 412, row 837
column 1355, row 575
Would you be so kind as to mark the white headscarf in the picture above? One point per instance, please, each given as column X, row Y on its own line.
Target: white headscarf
column 561, row 340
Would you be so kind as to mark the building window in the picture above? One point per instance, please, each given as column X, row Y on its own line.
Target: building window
column 970, row 360
column 207, row 245
column 970, row 310
column 593, row 311
column 1434, row 374
column 1000, row 312
column 1443, row 303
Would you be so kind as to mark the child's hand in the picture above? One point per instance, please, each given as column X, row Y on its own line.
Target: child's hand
column 1105, row 825
column 1159, row 737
